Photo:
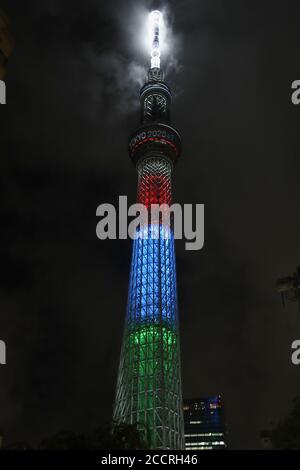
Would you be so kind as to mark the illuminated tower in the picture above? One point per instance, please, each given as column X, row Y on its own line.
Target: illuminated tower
column 149, row 380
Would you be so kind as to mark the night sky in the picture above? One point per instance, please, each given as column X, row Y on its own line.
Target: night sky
column 72, row 92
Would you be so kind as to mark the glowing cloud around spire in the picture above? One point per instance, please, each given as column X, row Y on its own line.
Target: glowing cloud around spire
column 155, row 33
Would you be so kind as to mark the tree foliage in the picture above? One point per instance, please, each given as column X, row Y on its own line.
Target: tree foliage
column 286, row 434
column 118, row 436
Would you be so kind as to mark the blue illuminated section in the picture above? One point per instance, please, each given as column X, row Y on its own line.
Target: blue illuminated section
column 152, row 289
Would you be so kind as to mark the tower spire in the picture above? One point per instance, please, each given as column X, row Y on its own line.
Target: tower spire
column 155, row 30
column 155, row 26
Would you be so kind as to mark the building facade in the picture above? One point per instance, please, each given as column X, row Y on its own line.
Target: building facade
column 204, row 424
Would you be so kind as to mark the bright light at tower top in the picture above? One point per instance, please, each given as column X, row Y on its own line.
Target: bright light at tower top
column 156, row 34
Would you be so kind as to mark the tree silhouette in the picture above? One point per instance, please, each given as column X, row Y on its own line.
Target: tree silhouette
column 285, row 435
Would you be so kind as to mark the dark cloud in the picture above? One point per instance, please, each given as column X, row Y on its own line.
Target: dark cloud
column 73, row 86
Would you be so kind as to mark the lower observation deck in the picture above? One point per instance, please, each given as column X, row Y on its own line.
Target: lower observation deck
column 155, row 138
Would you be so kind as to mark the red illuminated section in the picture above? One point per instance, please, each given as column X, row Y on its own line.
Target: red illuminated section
column 154, row 189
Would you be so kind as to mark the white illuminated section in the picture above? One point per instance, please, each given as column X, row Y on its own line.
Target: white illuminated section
column 155, row 34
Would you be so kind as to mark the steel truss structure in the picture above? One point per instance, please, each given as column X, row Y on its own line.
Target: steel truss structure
column 149, row 383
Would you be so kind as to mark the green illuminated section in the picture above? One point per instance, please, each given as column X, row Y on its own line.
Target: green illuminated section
column 150, row 333
column 153, row 348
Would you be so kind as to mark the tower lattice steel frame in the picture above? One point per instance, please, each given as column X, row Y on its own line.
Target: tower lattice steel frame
column 149, row 380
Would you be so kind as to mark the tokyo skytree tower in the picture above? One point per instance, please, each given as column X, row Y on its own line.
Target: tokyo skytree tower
column 149, row 379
